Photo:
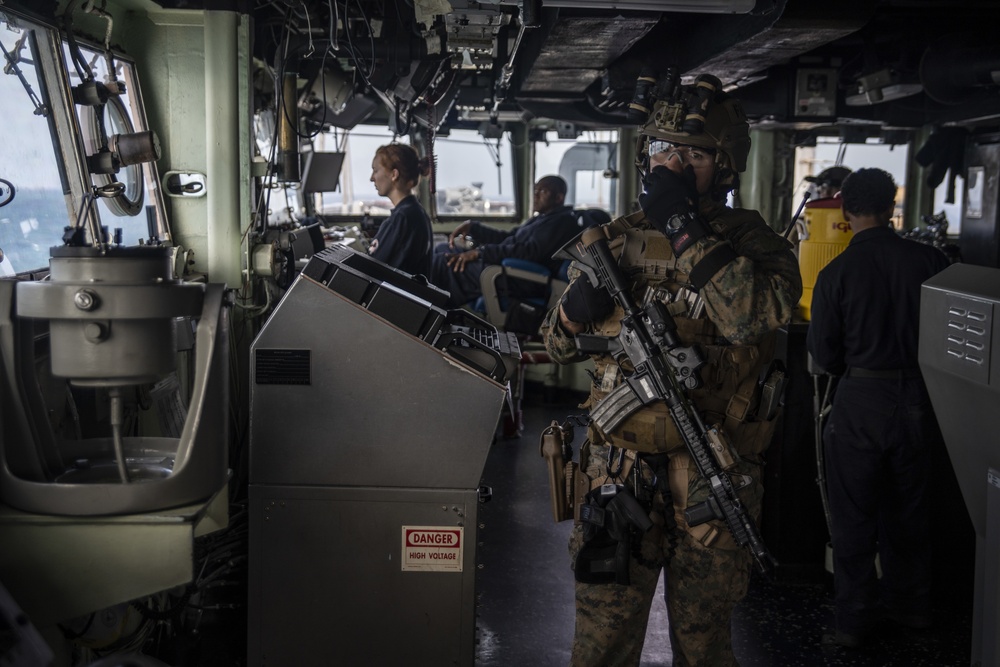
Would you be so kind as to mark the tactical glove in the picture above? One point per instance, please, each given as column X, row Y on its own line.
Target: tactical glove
column 583, row 303
column 668, row 201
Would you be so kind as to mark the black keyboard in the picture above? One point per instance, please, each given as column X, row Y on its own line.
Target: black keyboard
column 491, row 352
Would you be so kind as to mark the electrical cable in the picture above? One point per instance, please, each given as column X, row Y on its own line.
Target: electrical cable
column 311, row 49
column 264, row 197
column 79, row 62
column 334, row 22
column 358, row 59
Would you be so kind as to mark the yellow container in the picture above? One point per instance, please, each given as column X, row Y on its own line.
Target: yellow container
column 827, row 234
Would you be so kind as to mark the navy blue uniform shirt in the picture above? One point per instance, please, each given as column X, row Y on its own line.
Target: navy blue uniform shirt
column 536, row 240
column 866, row 303
column 405, row 239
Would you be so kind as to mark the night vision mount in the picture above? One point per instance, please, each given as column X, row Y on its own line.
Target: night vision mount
column 671, row 106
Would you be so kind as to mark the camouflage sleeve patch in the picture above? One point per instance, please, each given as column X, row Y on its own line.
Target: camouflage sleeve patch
column 758, row 291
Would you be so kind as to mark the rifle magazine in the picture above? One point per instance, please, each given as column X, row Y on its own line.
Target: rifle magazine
column 615, row 408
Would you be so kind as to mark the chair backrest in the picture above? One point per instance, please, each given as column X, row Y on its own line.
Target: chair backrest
column 496, row 301
column 591, row 217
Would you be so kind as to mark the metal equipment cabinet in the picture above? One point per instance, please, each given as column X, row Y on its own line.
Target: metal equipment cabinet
column 367, row 445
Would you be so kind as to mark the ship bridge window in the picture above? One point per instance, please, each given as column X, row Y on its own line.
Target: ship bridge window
column 820, row 168
column 831, row 152
column 474, row 176
column 952, row 210
column 33, row 208
column 138, row 210
column 355, row 195
column 812, row 161
column 588, row 165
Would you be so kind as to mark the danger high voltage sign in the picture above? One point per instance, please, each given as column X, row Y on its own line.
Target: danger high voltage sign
column 432, row 548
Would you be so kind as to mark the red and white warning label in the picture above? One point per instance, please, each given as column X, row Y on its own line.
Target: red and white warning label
column 432, row 548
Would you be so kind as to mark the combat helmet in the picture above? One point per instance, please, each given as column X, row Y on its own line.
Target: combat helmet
column 701, row 115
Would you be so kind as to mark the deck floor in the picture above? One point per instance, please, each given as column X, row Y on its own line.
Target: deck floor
column 525, row 587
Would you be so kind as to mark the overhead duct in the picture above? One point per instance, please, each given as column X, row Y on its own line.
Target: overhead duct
column 960, row 68
column 556, row 74
column 738, row 48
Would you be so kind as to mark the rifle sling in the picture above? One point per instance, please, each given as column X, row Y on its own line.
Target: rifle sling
column 711, row 264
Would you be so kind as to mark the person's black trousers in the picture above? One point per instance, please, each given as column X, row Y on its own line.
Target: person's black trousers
column 877, row 444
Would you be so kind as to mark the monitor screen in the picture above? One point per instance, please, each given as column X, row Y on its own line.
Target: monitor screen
column 321, row 171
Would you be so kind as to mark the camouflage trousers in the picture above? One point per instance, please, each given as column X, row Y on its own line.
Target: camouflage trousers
column 703, row 585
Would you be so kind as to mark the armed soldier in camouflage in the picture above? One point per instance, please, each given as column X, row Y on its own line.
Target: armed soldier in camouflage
column 730, row 282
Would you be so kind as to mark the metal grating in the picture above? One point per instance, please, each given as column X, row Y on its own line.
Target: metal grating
column 277, row 366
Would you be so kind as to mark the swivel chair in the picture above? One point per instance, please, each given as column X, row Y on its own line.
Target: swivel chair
column 499, row 283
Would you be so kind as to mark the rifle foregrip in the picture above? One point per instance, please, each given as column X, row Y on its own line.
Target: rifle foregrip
column 746, row 534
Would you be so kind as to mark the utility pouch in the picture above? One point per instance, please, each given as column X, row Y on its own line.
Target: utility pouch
column 609, row 517
column 772, row 390
column 577, row 487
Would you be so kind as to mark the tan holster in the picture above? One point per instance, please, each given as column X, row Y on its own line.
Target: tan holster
column 567, row 483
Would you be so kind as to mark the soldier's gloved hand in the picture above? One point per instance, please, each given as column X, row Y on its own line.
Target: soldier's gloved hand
column 667, row 193
column 583, row 303
column 668, row 201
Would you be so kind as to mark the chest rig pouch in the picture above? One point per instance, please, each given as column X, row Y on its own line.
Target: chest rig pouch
column 733, row 378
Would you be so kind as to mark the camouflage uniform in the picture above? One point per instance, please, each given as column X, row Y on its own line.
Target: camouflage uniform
column 706, row 573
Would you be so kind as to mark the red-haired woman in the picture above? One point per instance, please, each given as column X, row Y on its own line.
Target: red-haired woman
column 404, row 240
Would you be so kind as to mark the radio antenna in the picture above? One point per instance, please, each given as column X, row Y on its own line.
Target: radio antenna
column 798, row 212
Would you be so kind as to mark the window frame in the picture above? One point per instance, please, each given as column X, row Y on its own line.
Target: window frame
column 54, row 93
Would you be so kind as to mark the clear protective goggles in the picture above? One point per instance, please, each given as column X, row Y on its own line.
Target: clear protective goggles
column 693, row 155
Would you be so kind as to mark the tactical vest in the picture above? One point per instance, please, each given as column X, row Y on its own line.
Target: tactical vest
column 731, row 376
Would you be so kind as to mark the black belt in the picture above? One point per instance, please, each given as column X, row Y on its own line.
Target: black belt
column 892, row 374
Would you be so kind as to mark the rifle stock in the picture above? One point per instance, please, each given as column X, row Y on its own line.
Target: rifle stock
column 664, row 369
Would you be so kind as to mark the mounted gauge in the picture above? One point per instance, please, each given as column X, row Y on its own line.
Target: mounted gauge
column 118, row 152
